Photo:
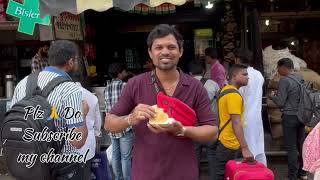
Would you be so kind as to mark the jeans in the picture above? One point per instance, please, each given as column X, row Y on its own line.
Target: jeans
column 223, row 155
column 293, row 134
column 210, row 149
column 121, row 156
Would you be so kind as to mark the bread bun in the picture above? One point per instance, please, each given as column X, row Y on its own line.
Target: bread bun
column 161, row 117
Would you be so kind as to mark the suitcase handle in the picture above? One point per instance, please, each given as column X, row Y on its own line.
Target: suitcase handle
column 249, row 162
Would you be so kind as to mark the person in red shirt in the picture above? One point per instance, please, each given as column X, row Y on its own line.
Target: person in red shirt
column 157, row 151
column 217, row 72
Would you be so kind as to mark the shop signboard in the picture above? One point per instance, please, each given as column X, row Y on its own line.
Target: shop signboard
column 203, row 38
column 28, row 14
column 68, row 26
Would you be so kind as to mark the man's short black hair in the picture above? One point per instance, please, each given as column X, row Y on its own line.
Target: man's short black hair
column 115, row 69
column 286, row 62
column 235, row 69
column 61, row 51
column 196, row 67
column 163, row 30
column 244, row 54
column 211, row 52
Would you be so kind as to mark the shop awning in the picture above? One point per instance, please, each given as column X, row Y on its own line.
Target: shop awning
column 55, row 7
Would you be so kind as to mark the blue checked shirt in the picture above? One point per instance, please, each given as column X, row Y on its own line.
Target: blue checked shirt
column 111, row 95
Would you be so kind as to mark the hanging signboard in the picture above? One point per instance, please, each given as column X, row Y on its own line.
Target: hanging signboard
column 68, row 26
column 29, row 15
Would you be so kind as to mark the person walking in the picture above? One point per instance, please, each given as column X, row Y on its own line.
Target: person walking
column 252, row 97
column 231, row 143
column 63, row 60
column 217, row 72
column 287, row 99
column 121, row 141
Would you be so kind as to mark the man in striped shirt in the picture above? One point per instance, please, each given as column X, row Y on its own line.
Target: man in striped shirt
column 121, row 142
column 62, row 58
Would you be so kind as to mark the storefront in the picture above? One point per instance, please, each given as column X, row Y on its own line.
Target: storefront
column 279, row 29
column 117, row 30
column 121, row 36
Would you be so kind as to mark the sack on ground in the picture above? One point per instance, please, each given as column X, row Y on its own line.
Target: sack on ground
column 275, row 115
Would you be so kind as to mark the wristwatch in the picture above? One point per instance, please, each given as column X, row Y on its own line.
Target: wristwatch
column 183, row 131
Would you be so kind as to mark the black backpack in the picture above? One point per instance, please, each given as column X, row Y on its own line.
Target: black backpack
column 15, row 124
column 309, row 104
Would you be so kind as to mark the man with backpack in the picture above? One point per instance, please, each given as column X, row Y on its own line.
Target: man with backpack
column 58, row 101
column 197, row 69
column 287, row 98
column 231, row 142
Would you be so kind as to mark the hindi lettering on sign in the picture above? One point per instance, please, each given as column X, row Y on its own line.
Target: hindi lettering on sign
column 68, row 26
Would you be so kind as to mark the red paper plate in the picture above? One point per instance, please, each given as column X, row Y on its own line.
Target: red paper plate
column 177, row 109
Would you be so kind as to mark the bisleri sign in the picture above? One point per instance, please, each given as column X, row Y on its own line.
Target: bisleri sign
column 28, row 14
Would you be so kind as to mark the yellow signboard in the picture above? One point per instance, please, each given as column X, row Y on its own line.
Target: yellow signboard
column 203, row 32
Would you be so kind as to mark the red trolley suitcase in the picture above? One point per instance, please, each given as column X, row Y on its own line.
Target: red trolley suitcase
column 238, row 170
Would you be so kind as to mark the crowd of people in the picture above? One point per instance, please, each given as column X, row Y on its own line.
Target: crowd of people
column 227, row 105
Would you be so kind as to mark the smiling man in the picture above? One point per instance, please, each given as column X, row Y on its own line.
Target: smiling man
column 160, row 152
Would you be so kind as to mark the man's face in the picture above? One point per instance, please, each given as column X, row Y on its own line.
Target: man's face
column 165, row 53
column 44, row 51
column 242, row 77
